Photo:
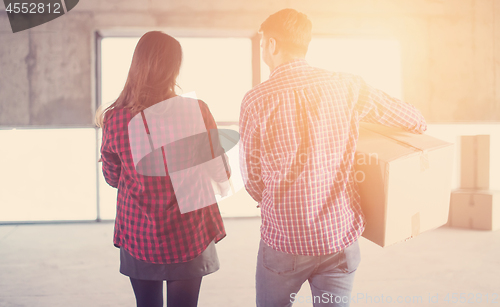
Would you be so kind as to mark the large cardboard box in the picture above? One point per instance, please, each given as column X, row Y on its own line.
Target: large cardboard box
column 404, row 180
column 475, row 162
column 475, row 209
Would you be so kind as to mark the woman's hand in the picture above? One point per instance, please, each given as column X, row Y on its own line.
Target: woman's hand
column 224, row 188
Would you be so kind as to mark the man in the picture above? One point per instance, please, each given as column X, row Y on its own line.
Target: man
column 298, row 138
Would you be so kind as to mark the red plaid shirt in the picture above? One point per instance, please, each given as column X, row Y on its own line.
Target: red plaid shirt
column 148, row 222
column 299, row 131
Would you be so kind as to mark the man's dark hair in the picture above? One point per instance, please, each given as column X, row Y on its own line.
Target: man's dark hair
column 291, row 30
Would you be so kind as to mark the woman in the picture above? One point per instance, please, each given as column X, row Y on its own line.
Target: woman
column 157, row 242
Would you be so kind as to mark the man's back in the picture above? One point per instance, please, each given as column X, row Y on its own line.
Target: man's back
column 299, row 132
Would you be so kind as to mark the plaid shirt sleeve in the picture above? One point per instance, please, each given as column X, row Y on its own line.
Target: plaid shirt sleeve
column 111, row 164
column 376, row 106
column 250, row 157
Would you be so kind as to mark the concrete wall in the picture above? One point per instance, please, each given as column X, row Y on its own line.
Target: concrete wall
column 449, row 47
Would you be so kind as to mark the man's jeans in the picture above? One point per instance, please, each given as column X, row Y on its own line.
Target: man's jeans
column 280, row 276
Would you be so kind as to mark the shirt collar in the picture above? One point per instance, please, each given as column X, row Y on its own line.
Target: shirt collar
column 296, row 63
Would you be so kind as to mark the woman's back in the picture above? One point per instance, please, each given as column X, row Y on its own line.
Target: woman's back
column 149, row 224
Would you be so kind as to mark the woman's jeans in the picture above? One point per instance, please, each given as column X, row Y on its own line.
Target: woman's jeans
column 280, row 276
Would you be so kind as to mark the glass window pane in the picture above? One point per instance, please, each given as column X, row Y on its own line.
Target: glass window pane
column 219, row 70
column 377, row 61
column 116, row 56
column 48, row 174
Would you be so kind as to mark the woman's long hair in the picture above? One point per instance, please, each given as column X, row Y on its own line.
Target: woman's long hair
column 152, row 76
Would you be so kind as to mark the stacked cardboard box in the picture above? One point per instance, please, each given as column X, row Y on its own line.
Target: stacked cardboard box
column 404, row 181
column 474, row 205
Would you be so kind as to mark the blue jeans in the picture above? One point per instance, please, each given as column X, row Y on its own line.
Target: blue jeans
column 280, row 276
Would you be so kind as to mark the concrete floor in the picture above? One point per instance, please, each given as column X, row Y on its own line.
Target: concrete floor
column 71, row 265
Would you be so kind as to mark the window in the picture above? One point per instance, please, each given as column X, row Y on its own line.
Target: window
column 377, row 61
column 48, row 174
column 219, row 70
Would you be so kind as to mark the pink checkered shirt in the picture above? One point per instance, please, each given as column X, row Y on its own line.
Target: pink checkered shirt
column 148, row 222
column 299, row 131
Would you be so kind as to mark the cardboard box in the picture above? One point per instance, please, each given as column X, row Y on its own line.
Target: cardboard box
column 475, row 162
column 475, row 209
column 404, row 180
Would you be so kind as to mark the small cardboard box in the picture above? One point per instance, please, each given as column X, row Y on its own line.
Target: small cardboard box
column 475, row 209
column 404, row 181
column 475, row 162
